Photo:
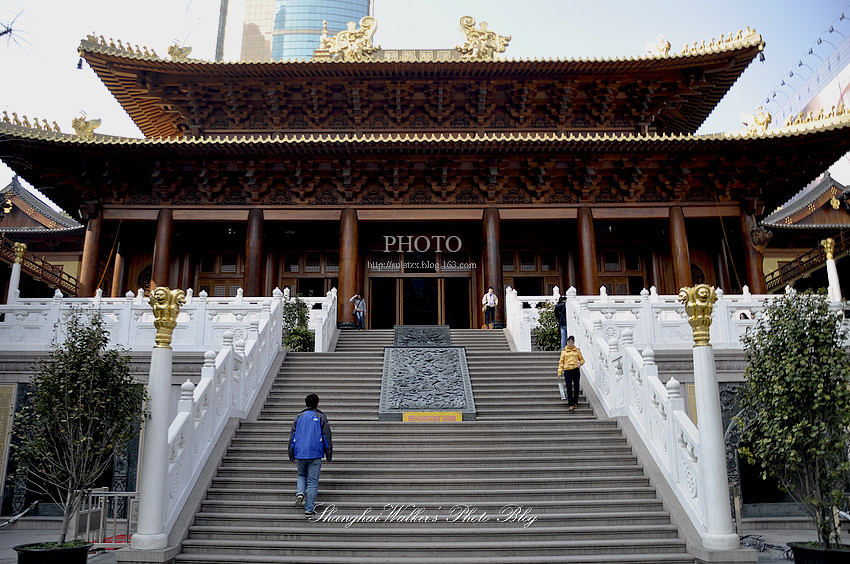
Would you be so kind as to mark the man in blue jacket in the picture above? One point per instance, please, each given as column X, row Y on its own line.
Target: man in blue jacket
column 309, row 441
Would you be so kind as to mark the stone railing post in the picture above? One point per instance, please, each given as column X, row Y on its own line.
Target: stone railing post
column 834, row 290
column 15, row 277
column 151, row 533
column 714, row 481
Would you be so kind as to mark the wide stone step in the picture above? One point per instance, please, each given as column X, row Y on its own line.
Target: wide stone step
column 368, row 496
column 290, row 516
column 332, row 483
column 609, row 508
column 310, row 551
column 496, row 528
column 359, row 473
column 435, row 558
column 456, row 464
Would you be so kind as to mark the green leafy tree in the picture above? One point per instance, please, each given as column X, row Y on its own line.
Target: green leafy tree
column 795, row 422
column 548, row 333
column 84, row 408
column 297, row 337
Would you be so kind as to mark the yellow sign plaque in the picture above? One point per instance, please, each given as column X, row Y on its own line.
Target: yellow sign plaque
column 432, row 417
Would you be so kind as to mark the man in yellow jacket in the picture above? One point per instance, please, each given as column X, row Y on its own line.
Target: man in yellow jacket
column 568, row 366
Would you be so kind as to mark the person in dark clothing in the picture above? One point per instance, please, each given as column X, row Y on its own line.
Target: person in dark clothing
column 359, row 310
column 561, row 316
column 309, row 440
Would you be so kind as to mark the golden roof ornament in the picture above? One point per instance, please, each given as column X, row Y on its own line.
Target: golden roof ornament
column 481, row 44
column 166, row 307
column 351, row 45
column 20, row 251
column 178, row 53
column 83, row 127
column 699, row 302
column 828, row 245
column 822, row 114
column 834, row 202
column 758, row 122
column 660, row 48
column 723, row 41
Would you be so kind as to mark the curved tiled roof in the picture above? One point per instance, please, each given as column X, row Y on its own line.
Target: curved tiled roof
column 129, row 76
column 63, row 220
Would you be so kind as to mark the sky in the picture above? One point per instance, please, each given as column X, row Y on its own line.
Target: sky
column 39, row 63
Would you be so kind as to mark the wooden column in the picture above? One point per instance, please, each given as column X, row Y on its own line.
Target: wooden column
column 187, row 271
column 118, row 273
column 492, row 261
column 755, row 240
column 86, row 285
column 162, row 249
column 722, row 266
column 254, row 253
column 270, row 274
column 679, row 249
column 588, row 275
column 349, row 258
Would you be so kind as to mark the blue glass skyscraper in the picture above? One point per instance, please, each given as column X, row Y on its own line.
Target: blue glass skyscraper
column 290, row 29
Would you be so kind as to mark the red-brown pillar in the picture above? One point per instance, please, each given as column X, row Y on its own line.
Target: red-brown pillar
column 86, row 285
column 492, row 262
column 588, row 275
column 118, row 273
column 348, row 260
column 270, row 278
column 755, row 240
column 724, row 281
column 162, row 249
column 254, row 253
column 679, row 249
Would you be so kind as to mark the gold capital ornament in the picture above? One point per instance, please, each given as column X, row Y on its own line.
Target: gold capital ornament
column 20, row 251
column 166, row 306
column 828, row 245
column 699, row 302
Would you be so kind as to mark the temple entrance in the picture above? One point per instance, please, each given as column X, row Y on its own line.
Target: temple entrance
column 420, row 301
column 413, row 300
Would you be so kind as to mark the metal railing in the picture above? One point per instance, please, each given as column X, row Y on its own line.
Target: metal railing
column 805, row 263
column 107, row 519
column 52, row 275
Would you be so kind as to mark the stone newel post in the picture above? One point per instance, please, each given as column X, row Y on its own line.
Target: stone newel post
column 15, row 278
column 714, row 482
column 834, row 290
column 154, row 468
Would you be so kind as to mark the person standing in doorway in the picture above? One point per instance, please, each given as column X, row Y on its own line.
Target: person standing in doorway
column 490, row 300
column 309, row 441
column 561, row 316
column 359, row 310
column 568, row 366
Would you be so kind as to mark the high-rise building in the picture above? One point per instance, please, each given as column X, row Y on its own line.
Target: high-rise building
column 290, row 29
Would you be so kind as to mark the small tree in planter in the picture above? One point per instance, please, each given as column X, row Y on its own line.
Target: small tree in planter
column 297, row 337
column 795, row 422
column 547, row 332
column 85, row 406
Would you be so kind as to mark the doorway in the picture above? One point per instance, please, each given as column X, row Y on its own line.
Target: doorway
column 420, row 304
column 382, row 303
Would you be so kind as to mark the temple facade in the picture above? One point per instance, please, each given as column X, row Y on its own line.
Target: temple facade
column 422, row 177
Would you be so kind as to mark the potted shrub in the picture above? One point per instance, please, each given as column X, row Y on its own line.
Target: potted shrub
column 795, row 423
column 84, row 406
column 297, row 337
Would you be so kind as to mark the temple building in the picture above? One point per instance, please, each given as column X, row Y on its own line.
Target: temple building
column 422, row 177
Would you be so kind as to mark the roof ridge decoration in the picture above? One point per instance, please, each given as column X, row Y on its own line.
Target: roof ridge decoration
column 143, row 51
column 350, row 45
column 757, row 123
column 178, row 52
column 481, row 44
column 85, row 128
column 811, row 117
column 26, row 123
column 699, row 48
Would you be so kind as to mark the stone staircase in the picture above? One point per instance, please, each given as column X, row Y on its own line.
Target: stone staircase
column 528, row 482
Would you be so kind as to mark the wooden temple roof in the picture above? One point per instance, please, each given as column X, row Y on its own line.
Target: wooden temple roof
column 666, row 93
column 411, row 169
column 822, row 205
